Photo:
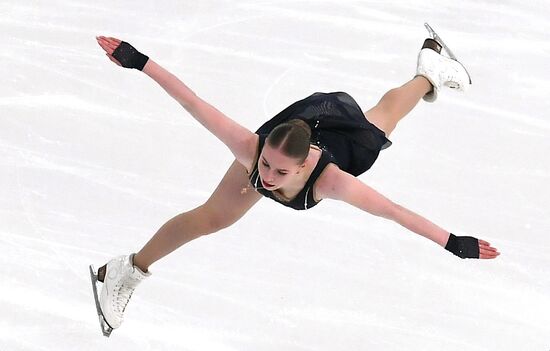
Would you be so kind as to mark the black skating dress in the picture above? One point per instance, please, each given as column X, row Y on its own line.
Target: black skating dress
column 339, row 128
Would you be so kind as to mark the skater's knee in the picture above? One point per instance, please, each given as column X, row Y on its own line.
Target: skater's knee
column 216, row 219
column 381, row 118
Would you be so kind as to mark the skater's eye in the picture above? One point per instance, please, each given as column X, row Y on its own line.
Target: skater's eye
column 283, row 172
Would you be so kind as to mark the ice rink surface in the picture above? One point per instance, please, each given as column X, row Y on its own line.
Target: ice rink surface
column 94, row 158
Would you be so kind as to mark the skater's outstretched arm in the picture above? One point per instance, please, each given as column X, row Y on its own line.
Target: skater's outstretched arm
column 240, row 140
column 339, row 185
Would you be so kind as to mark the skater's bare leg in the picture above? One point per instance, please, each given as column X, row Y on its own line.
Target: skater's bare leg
column 397, row 103
column 227, row 204
column 174, row 233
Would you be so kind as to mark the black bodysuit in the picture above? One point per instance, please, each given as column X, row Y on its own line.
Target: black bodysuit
column 339, row 128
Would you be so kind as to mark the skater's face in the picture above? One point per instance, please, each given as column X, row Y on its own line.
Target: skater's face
column 276, row 169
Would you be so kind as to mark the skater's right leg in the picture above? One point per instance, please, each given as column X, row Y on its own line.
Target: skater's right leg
column 121, row 275
column 227, row 204
column 174, row 233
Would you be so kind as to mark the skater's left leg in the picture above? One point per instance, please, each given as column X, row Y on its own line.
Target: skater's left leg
column 397, row 103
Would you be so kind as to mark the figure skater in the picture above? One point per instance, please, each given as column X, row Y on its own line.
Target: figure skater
column 313, row 150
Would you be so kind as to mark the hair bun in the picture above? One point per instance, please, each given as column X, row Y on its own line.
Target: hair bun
column 300, row 123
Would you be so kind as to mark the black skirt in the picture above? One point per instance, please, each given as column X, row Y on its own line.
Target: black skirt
column 338, row 126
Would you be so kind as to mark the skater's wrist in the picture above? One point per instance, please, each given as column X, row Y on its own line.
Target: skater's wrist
column 463, row 246
column 130, row 57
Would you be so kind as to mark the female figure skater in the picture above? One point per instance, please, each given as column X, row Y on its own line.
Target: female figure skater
column 312, row 150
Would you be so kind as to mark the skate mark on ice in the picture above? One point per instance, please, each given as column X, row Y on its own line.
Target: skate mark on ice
column 270, row 88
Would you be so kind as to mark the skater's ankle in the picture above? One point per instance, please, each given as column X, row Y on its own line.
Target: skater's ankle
column 427, row 86
column 142, row 266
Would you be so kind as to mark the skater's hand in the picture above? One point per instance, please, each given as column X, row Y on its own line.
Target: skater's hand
column 470, row 247
column 486, row 251
column 122, row 53
column 109, row 45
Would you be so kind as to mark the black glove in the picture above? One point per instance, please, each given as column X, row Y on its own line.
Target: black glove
column 463, row 246
column 129, row 57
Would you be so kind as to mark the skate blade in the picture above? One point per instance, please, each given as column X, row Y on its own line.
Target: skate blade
column 437, row 38
column 440, row 41
column 105, row 328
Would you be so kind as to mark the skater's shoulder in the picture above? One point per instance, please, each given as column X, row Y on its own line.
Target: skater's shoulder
column 326, row 182
column 250, row 159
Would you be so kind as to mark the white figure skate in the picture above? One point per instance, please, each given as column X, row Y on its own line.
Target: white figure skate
column 439, row 69
column 119, row 277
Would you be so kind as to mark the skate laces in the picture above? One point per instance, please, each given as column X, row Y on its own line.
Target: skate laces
column 123, row 292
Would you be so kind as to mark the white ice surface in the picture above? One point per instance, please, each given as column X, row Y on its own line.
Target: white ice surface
column 95, row 158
